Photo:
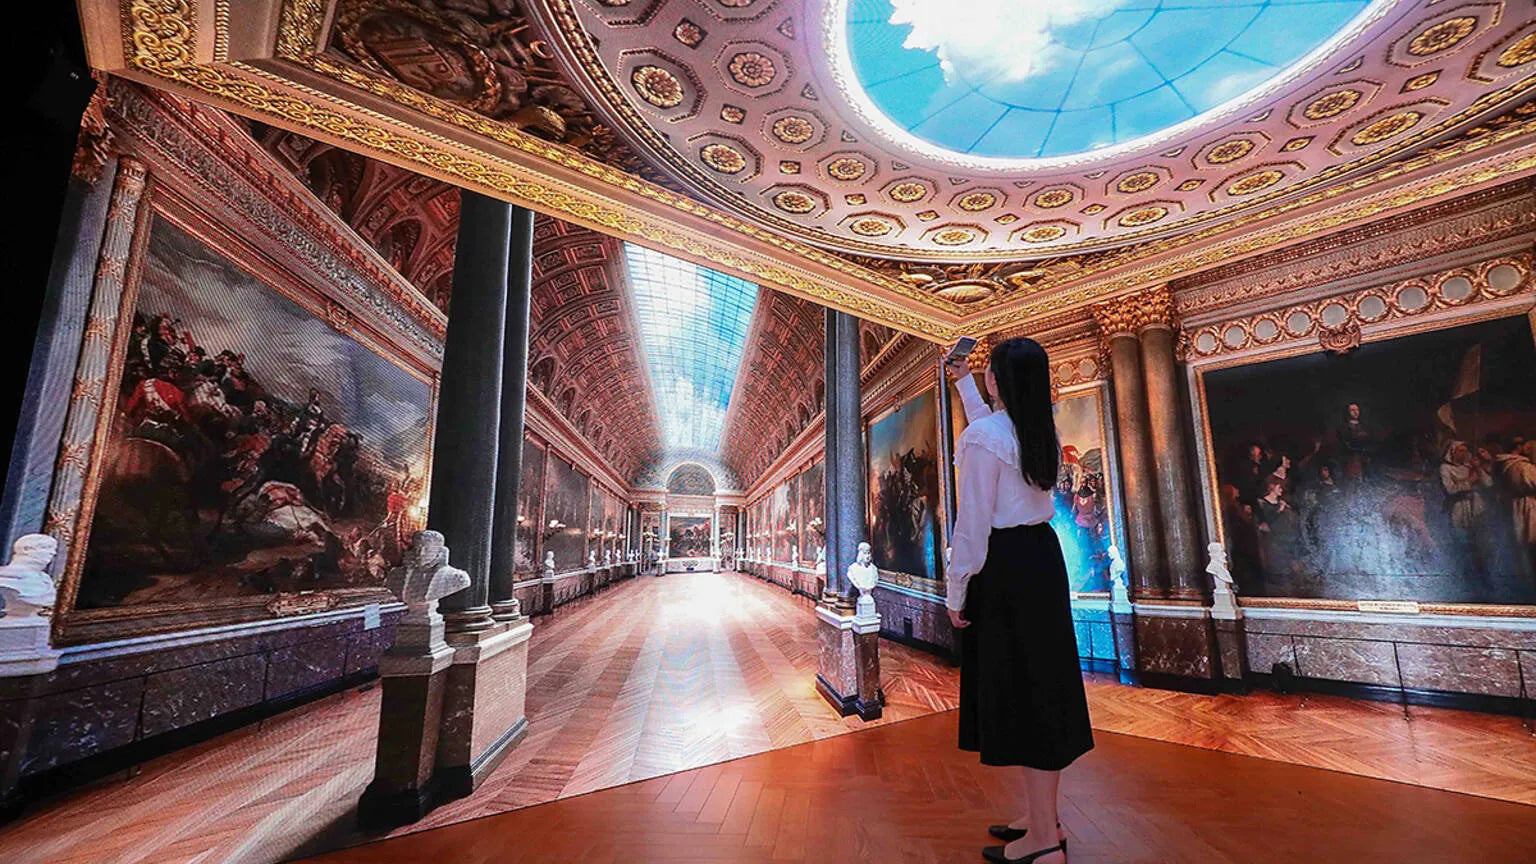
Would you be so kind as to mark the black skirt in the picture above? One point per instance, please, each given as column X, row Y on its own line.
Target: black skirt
column 1021, row 689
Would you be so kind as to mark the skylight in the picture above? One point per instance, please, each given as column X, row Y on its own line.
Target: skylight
column 1042, row 78
column 693, row 323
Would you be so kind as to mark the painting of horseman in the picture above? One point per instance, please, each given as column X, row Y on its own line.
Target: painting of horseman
column 254, row 449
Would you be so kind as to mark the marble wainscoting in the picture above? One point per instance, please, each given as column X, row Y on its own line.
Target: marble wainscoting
column 538, row 595
column 111, row 705
column 804, row 581
column 1095, row 630
column 1488, row 657
column 916, row 620
column 1175, row 646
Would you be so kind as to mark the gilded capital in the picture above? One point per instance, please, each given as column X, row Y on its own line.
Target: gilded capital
column 1132, row 313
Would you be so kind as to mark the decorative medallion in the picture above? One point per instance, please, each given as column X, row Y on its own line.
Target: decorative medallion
column 1520, row 53
column 976, row 201
column 1006, row 219
column 1442, row 36
column 657, row 86
column 751, row 69
column 616, row 3
column 846, row 168
column 732, row 114
column 1419, row 82
column 928, row 215
column 793, row 129
column 789, row 166
column 1295, row 144
column 1042, row 234
column 954, row 237
column 1332, row 104
column 794, row 202
column 870, row 227
column 1190, row 185
column 966, row 290
column 1229, row 151
column 1255, row 182
column 1144, row 216
column 1387, row 127
column 1093, row 208
column 855, row 199
column 688, row 33
column 1140, row 181
column 726, row 160
column 734, row 4
column 1051, row 198
column 907, row 193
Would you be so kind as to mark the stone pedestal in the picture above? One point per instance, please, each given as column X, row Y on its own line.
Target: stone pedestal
column 848, row 662
column 24, row 647
column 1229, row 650
column 410, row 714
column 484, row 697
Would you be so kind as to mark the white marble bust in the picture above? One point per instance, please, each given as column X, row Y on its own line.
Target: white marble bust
column 549, row 561
column 425, row 576
column 863, row 575
column 26, row 590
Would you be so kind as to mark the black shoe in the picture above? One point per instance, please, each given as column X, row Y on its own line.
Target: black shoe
column 998, row 855
column 1008, row 833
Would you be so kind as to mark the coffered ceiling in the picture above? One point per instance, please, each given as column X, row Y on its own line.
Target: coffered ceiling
column 737, row 134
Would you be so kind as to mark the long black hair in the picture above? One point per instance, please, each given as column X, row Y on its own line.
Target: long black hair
column 1024, row 384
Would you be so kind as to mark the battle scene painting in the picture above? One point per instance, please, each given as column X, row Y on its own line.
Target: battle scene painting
column 530, row 487
column 904, row 488
column 1082, row 492
column 782, row 549
column 689, row 536
column 566, row 505
column 813, row 529
column 253, row 449
column 1403, row 470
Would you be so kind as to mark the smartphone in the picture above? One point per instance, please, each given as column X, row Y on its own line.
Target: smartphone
column 962, row 349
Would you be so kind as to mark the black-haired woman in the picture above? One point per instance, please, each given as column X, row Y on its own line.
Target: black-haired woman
column 1021, row 691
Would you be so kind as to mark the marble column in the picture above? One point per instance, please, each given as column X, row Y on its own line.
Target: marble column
column 485, row 692
column 1118, row 322
column 1176, row 498
column 848, row 644
column 469, row 397
column 514, row 384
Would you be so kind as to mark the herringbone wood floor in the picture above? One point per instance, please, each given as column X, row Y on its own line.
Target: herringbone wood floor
column 903, row 793
column 664, row 675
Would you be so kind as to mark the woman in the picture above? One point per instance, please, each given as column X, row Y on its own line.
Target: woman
column 1021, row 691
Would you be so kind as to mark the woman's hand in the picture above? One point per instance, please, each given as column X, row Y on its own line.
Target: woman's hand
column 958, row 620
column 956, row 367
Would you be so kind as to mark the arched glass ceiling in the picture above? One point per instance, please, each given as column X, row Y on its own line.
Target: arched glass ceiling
column 1039, row 78
column 693, row 323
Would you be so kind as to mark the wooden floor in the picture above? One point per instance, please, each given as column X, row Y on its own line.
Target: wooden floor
column 903, row 793
column 657, row 676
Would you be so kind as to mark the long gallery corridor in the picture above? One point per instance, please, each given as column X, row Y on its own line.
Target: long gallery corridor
column 660, row 677
column 547, row 431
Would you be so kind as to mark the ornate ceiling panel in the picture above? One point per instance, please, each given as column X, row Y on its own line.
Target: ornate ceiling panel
column 779, row 386
column 739, row 100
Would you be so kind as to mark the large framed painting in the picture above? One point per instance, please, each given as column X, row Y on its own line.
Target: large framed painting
column 597, row 535
column 1082, row 520
column 781, row 547
column 813, row 529
column 250, row 448
column 1403, row 470
column 567, row 502
column 904, row 501
column 530, row 490
column 689, row 536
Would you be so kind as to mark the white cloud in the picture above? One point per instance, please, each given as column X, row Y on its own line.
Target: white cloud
column 1003, row 40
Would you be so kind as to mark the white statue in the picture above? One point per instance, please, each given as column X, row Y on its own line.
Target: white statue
column 863, row 575
column 549, row 563
column 1119, row 596
column 592, row 559
column 1223, row 600
column 821, row 559
column 26, row 591
column 425, row 577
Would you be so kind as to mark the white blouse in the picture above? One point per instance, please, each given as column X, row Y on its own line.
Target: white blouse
column 992, row 494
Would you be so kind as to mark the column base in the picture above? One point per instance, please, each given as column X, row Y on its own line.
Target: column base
column 484, row 700
column 410, row 716
column 848, row 663
column 507, row 611
column 1231, row 637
